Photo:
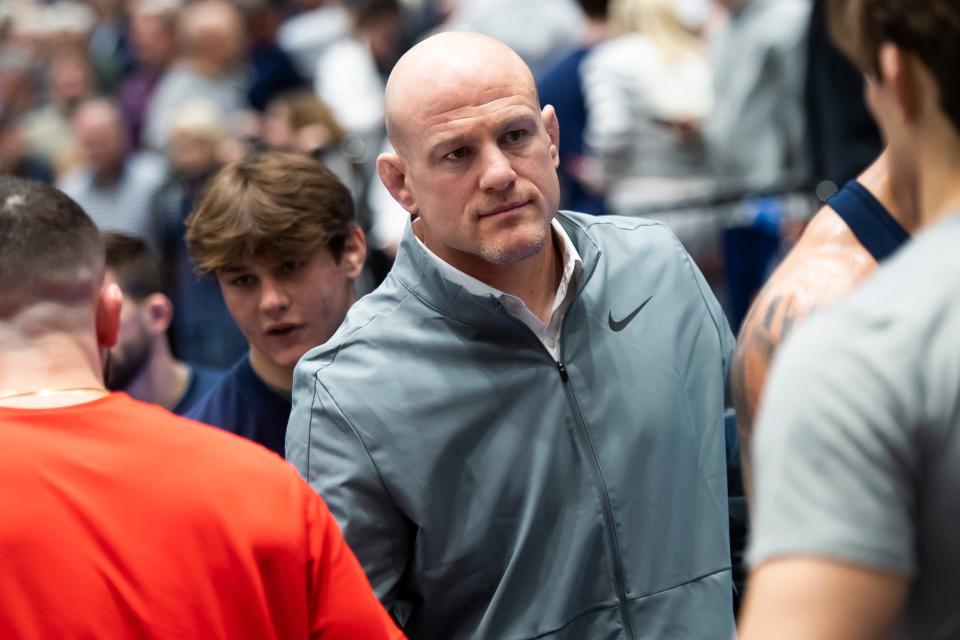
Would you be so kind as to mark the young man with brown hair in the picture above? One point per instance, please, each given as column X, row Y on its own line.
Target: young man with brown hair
column 121, row 520
column 141, row 363
column 278, row 232
column 857, row 448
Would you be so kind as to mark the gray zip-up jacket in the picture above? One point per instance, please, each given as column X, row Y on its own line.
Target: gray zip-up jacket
column 492, row 492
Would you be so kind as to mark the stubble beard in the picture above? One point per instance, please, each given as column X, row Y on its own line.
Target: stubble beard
column 516, row 249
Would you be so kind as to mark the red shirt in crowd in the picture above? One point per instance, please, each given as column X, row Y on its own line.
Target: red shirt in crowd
column 121, row 520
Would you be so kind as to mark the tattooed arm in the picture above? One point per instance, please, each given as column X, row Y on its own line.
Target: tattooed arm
column 772, row 316
column 826, row 264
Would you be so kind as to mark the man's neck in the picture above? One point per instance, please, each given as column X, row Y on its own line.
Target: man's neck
column 108, row 176
column 60, row 361
column 896, row 196
column 272, row 375
column 534, row 280
column 163, row 381
column 939, row 185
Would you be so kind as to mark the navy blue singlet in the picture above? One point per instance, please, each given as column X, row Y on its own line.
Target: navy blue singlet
column 870, row 222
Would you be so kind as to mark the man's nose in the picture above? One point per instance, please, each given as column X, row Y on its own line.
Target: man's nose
column 498, row 173
column 273, row 297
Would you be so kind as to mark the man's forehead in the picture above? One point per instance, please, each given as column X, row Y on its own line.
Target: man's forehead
column 440, row 107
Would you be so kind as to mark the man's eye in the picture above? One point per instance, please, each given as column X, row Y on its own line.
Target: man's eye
column 290, row 266
column 517, row 135
column 458, row 154
column 242, row 281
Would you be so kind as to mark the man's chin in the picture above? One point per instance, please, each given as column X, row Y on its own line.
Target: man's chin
column 515, row 250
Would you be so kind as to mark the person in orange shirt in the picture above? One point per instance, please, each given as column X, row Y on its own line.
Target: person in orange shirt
column 119, row 519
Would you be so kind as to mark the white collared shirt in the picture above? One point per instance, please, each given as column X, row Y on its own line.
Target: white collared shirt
column 547, row 332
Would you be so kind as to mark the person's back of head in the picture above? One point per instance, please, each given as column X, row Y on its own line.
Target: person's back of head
column 926, row 29
column 133, row 265
column 909, row 51
column 51, row 262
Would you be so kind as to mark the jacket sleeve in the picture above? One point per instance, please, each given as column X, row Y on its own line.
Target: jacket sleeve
column 342, row 604
column 331, row 456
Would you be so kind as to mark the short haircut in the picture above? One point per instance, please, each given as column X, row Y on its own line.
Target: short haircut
column 928, row 29
column 50, row 250
column 271, row 205
column 133, row 263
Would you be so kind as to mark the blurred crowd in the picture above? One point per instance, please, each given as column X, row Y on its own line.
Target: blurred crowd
column 723, row 119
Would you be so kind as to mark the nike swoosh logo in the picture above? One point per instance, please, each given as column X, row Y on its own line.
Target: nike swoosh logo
column 622, row 324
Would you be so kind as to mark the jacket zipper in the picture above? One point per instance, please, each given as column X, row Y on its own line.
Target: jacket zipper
column 613, row 544
column 586, row 445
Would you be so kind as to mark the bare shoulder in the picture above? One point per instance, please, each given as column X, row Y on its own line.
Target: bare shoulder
column 826, row 265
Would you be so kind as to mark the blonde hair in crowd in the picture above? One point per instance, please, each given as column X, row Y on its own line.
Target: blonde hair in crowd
column 657, row 20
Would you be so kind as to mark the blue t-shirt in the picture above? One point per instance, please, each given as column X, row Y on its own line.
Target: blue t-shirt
column 243, row 404
column 202, row 380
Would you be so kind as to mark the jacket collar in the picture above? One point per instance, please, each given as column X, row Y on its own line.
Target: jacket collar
column 419, row 274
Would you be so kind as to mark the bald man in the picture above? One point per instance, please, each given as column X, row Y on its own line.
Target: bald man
column 861, row 226
column 521, row 431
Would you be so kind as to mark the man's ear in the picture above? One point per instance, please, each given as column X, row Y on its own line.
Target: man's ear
column 159, row 313
column 393, row 173
column 552, row 125
column 109, row 304
column 354, row 253
column 900, row 73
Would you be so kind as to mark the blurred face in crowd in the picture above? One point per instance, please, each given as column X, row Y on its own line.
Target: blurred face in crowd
column 382, row 34
column 476, row 157
column 70, row 79
column 213, row 33
column 101, row 136
column 154, row 39
column 192, row 154
column 287, row 307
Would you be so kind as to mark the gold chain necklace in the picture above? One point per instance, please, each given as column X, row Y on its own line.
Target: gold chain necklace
column 6, row 395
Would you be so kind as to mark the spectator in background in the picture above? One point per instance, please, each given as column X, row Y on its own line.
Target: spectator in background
column 48, row 129
column 153, row 35
column 561, row 87
column 756, row 132
column 307, row 34
column 140, row 363
column 297, row 121
column 112, row 184
column 647, row 91
column 15, row 159
column 756, row 129
column 18, row 82
column 204, row 333
column 212, row 66
column 540, row 31
column 349, row 77
column 273, row 71
column 278, row 232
